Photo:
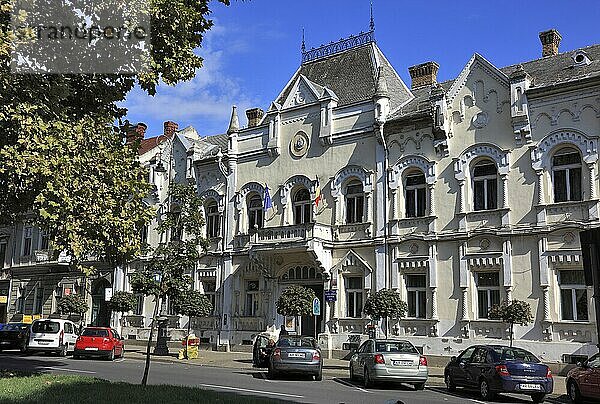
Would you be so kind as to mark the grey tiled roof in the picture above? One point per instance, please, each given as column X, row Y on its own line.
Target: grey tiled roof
column 218, row 140
column 560, row 68
column 351, row 75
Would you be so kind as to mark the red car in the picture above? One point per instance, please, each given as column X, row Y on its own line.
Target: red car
column 99, row 341
column 583, row 382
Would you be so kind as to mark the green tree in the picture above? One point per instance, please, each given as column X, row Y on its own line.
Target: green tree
column 165, row 274
column 122, row 302
column 72, row 304
column 385, row 304
column 295, row 301
column 62, row 160
column 512, row 312
column 192, row 303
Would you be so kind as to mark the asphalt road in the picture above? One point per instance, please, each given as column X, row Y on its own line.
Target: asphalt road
column 242, row 381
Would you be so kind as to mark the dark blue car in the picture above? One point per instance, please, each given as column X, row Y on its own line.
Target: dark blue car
column 493, row 369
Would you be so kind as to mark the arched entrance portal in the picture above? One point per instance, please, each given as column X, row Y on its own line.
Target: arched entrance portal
column 100, row 309
column 309, row 277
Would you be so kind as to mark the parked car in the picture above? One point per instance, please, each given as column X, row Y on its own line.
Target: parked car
column 389, row 360
column 496, row 369
column 99, row 341
column 52, row 335
column 583, row 382
column 261, row 350
column 14, row 336
column 296, row 355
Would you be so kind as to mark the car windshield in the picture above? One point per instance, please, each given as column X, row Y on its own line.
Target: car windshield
column 296, row 342
column 94, row 332
column 514, row 354
column 50, row 327
column 395, row 346
column 14, row 327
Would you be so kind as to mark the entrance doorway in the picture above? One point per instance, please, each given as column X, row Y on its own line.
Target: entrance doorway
column 3, row 313
column 100, row 309
column 307, row 324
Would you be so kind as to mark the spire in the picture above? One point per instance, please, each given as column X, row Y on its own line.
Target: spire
column 303, row 45
column 234, row 123
column 382, row 89
column 372, row 22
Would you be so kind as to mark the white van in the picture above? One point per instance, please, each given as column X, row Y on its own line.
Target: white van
column 52, row 335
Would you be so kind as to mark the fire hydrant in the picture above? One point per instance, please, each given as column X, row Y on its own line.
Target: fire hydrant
column 190, row 344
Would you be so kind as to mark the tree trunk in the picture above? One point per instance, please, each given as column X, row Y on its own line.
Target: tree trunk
column 187, row 339
column 511, row 334
column 147, row 366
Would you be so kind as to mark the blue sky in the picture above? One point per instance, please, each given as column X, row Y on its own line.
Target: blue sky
column 254, row 47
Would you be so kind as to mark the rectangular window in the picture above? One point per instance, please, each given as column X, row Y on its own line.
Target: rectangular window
column 354, row 209
column 354, row 296
column 139, row 304
column 38, row 305
column 488, row 292
column 416, row 291
column 560, row 186
column 171, row 308
column 492, row 194
column 27, row 240
column 44, row 240
column 251, row 306
column 210, row 291
column 575, row 184
column 573, row 296
column 20, row 303
column 3, row 245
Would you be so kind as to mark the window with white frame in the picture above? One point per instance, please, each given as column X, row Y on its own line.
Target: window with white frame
column 27, row 240
column 354, row 296
column 485, row 185
column 488, row 292
column 44, row 239
column 38, row 304
column 212, row 219
column 302, row 206
column 171, row 309
column 415, row 199
column 210, row 291
column 138, row 310
column 255, row 212
column 355, row 202
column 177, row 229
column 416, row 293
column 21, row 297
column 573, row 296
column 251, row 306
column 566, row 175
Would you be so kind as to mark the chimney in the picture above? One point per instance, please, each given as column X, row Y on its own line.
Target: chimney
column 424, row 74
column 137, row 133
column 550, row 40
column 170, row 127
column 254, row 116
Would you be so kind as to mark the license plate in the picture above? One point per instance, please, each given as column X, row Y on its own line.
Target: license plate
column 91, row 349
column 295, row 355
column 530, row 387
column 402, row 363
column 4, row 342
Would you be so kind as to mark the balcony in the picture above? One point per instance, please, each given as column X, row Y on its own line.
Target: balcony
column 410, row 225
column 292, row 234
column 482, row 219
column 354, row 231
column 242, row 323
column 578, row 211
column 204, row 323
column 417, row 327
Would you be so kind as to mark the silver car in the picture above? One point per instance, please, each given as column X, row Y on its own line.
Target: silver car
column 296, row 354
column 389, row 360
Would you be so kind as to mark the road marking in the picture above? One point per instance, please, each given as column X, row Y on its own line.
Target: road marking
column 345, row 383
column 69, row 370
column 119, row 360
column 250, row 391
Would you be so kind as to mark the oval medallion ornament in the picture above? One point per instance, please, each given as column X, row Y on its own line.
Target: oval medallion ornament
column 299, row 144
column 481, row 120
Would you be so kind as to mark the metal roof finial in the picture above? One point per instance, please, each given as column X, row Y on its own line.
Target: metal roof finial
column 372, row 22
column 303, row 45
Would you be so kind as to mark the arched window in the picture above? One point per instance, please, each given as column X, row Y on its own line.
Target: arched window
column 212, row 219
column 415, row 199
column 302, row 206
column 566, row 175
column 255, row 212
column 485, row 185
column 355, row 202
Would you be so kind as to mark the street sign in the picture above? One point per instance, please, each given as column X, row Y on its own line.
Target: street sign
column 331, row 295
column 316, row 307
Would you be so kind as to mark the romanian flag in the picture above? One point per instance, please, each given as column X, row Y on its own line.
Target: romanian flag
column 318, row 195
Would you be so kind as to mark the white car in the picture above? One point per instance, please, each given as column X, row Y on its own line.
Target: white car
column 52, row 335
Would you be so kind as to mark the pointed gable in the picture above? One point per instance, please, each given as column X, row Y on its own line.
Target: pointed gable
column 477, row 61
column 303, row 91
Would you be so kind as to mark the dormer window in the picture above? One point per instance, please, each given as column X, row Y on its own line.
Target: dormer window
column 581, row 58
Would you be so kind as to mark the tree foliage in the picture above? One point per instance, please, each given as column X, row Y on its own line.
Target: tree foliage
column 192, row 303
column 385, row 303
column 71, row 304
column 512, row 312
column 295, row 301
column 62, row 160
column 122, row 302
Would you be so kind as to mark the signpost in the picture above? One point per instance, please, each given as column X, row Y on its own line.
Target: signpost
column 316, row 312
column 331, row 295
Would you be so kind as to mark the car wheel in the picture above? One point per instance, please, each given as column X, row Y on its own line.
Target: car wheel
column 367, row 379
column 352, row 375
column 450, row 382
column 319, row 376
column 484, row 390
column 272, row 373
column 538, row 397
column 75, row 356
column 111, row 355
column 573, row 392
column 63, row 350
column 419, row 386
column 122, row 353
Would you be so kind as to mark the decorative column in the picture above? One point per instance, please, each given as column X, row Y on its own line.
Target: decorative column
column 540, row 187
column 430, row 188
column 434, row 306
column 461, row 191
column 368, row 204
column 592, row 185
column 504, row 202
column 393, row 204
column 546, row 302
column 508, row 290
column 464, row 303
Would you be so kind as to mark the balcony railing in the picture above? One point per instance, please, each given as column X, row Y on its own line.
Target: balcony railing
column 242, row 323
column 298, row 233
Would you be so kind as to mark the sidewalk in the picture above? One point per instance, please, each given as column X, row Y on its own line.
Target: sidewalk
column 243, row 360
